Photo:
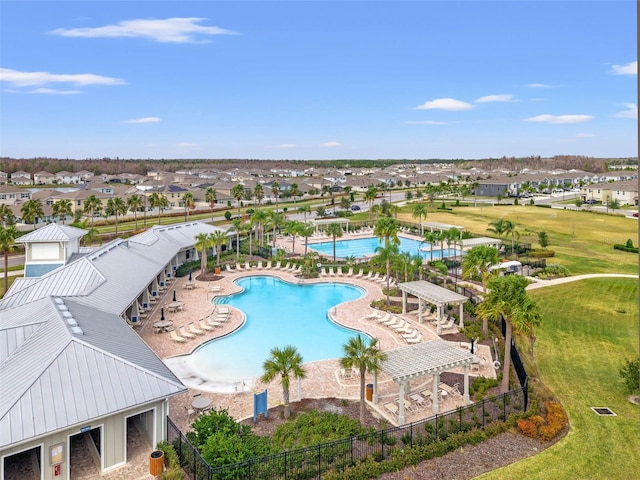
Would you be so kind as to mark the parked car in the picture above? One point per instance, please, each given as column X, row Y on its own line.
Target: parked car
column 591, row 201
column 355, row 208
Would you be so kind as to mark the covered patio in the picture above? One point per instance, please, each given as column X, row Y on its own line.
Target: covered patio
column 468, row 243
column 433, row 294
column 420, row 360
column 321, row 224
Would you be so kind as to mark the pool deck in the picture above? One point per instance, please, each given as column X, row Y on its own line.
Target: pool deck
column 324, row 378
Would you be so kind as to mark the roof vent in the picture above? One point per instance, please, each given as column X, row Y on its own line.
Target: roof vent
column 72, row 322
column 77, row 331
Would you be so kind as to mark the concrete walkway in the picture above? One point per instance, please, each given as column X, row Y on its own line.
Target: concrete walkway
column 537, row 283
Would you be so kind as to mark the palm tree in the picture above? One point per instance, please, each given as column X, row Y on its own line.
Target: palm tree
column 393, row 209
column 237, row 192
column 453, row 235
column 62, row 209
column 91, row 205
column 31, row 210
column 204, row 242
column 365, row 357
column 295, row 191
column 431, row 237
column 259, row 218
column 507, row 298
column 210, row 196
column 238, row 227
column 258, row 193
column 387, row 229
column 499, row 227
column 276, row 220
column 306, row 231
column 283, row 363
column 117, row 207
column 305, row 209
column 419, row 210
column 218, row 239
column 134, row 204
column 159, row 201
column 6, row 215
column 8, row 237
column 275, row 189
column 370, row 196
column 388, row 255
column 335, row 230
column 188, row 203
column 479, row 260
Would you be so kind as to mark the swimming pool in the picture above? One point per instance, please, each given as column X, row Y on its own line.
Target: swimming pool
column 362, row 247
column 277, row 313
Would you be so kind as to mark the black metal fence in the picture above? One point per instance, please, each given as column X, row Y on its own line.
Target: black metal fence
column 517, row 362
column 311, row 462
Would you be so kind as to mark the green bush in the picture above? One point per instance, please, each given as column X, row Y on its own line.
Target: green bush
column 481, row 385
column 630, row 374
column 626, row 247
column 552, row 270
column 314, row 427
column 541, row 253
column 173, row 471
column 540, row 205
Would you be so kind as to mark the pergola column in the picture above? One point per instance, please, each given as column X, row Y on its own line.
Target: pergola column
column 434, row 392
column 438, row 320
column 461, row 324
column 401, row 405
column 375, row 387
column 419, row 310
column 404, row 302
column 465, row 395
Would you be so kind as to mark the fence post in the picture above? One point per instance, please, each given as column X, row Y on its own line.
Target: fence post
column 460, row 429
column 285, row 465
column 411, row 434
column 436, row 426
column 483, row 413
column 504, row 406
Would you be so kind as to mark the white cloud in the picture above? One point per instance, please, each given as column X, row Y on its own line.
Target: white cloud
column 331, row 144
column 630, row 112
column 170, row 30
column 496, row 98
column 53, row 91
column 426, row 122
column 539, row 85
column 27, row 79
column 559, row 119
column 630, row 68
column 143, row 120
column 585, row 135
column 450, row 104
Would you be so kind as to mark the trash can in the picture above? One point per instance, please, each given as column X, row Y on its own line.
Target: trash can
column 369, row 392
column 156, row 462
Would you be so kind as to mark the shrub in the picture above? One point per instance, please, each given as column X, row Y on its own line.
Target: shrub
column 625, row 247
column 630, row 374
column 172, row 463
column 314, row 427
column 528, row 428
column 535, row 253
column 552, row 270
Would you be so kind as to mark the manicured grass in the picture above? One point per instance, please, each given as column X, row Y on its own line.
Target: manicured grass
column 590, row 328
column 583, row 241
column 11, row 280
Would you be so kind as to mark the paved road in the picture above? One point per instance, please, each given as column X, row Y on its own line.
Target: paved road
column 557, row 281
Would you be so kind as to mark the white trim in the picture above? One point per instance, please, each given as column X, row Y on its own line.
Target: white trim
column 42, row 459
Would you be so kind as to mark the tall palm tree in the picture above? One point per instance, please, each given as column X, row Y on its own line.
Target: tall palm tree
column 453, row 236
column 365, row 357
column 370, row 196
column 259, row 218
column 295, row 191
column 204, row 242
column 478, row 261
column 387, row 229
column 393, row 209
column 6, row 215
column 31, row 210
column 284, row 363
column 238, row 227
column 210, row 196
column 498, row 227
column 507, row 298
column 335, row 230
column 258, row 193
column 388, row 255
column 306, row 231
column 134, row 204
column 305, row 209
column 431, row 237
column 276, row 220
column 8, row 237
column 419, row 210
column 62, row 209
column 237, row 192
column 92, row 205
column 117, row 207
column 218, row 238
column 275, row 189
column 188, row 203
column 159, row 201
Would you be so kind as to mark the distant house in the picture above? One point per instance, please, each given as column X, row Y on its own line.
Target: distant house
column 3, row 178
column 43, row 178
column 73, row 369
column 10, row 194
column 68, row 177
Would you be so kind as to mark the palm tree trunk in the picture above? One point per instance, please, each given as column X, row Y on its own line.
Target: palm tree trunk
column 6, row 271
column 285, row 399
column 362, row 380
column 506, row 368
column 388, row 268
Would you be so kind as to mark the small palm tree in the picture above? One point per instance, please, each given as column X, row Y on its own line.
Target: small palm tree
column 258, row 193
column 117, row 207
column 365, row 357
column 134, row 204
column 335, row 230
column 237, row 192
column 419, row 210
column 275, row 189
column 238, row 227
column 283, row 363
column 62, row 209
column 92, row 205
column 31, row 210
column 388, row 255
column 370, row 196
column 210, row 196
column 8, row 236
column 203, row 243
column 159, row 201
column 218, row 239
column 188, row 203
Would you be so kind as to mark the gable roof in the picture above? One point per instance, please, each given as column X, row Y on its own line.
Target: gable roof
column 52, row 233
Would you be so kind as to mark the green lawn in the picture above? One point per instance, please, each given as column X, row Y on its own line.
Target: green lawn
column 590, row 328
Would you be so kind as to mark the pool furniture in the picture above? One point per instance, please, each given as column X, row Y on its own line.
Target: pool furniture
column 360, row 273
column 195, row 330
column 391, row 407
column 204, row 326
column 183, row 332
column 277, row 267
column 176, row 338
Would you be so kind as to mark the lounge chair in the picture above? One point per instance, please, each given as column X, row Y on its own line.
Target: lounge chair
column 331, row 272
column 239, row 267
column 213, row 323
column 368, row 276
column 385, row 318
column 350, row 272
column 268, row 264
column 360, row 273
column 183, row 332
column 346, row 372
column 259, row 266
column 247, row 266
column 277, row 267
column 228, row 267
column 221, row 309
column 176, row 338
column 203, row 325
column 375, row 277
column 391, row 407
column 194, row 329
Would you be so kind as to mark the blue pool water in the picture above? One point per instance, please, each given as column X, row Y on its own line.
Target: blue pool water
column 361, row 247
column 277, row 314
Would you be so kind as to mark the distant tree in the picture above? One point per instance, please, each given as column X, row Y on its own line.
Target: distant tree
column 8, row 235
column 321, row 211
column 275, row 189
column 31, row 210
column 237, row 192
column 370, row 196
column 335, row 231
column 6, row 215
column 283, row 363
column 188, row 204
column 134, row 203
column 159, row 201
column 92, row 205
column 543, row 239
column 295, row 192
column 210, row 196
column 62, row 209
column 218, row 239
column 258, row 193
column 204, row 242
column 305, row 209
column 116, row 207
column 419, row 210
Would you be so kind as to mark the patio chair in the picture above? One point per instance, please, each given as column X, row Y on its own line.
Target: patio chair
column 269, row 264
column 239, row 267
column 259, row 266
column 189, row 411
column 277, row 267
column 368, row 276
column 350, row 272
column 346, row 373
column 228, row 267
column 194, row 329
column 204, row 326
column 414, row 340
column 391, row 407
column 176, row 338
column 221, row 309
column 213, row 323
column 288, row 266
column 183, row 332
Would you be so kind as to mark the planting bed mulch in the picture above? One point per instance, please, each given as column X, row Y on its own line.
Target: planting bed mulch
column 464, row 463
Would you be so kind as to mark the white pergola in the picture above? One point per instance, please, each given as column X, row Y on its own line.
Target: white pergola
column 323, row 222
column 433, row 294
column 468, row 243
column 431, row 226
column 420, row 360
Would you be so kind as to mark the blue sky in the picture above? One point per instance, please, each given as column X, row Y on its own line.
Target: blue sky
column 318, row 79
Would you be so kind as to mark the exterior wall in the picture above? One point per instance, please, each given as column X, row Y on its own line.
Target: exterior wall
column 113, row 439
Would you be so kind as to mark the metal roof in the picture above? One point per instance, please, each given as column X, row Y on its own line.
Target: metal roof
column 440, row 226
column 422, row 359
column 432, row 293
column 64, row 364
column 52, row 233
column 474, row 242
